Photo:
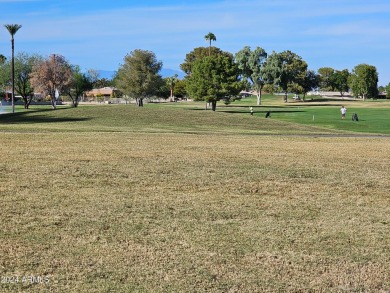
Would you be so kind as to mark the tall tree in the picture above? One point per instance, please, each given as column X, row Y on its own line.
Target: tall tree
column 139, row 76
column 242, row 60
column 363, row 81
column 250, row 64
column 213, row 78
column 12, row 29
column 340, row 81
column 285, row 70
column 78, row 85
column 52, row 76
column 199, row 53
column 210, row 37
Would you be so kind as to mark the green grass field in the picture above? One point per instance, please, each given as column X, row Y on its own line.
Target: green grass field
column 173, row 198
column 374, row 116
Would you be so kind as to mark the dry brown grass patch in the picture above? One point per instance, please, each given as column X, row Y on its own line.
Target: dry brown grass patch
column 182, row 213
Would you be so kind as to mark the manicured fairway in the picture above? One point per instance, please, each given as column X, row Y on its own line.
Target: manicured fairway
column 177, row 199
column 374, row 116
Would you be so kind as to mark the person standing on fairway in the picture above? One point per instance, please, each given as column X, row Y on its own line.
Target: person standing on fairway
column 343, row 112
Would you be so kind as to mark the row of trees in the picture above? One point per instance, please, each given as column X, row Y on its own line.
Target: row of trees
column 285, row 72
column 363, row 80
column 211, row 75
column 52, row 77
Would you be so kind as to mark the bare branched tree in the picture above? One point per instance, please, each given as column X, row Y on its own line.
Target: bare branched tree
column 52, row 76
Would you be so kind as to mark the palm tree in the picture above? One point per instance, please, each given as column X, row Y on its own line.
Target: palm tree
column 210, row 37
column 171, row 81
column 12, row 29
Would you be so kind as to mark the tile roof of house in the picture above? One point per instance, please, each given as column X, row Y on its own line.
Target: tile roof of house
column 105, row 91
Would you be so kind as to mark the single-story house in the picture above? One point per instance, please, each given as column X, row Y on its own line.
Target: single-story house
column 105, row 92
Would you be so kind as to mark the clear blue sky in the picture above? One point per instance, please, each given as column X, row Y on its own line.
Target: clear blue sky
column 97, row 34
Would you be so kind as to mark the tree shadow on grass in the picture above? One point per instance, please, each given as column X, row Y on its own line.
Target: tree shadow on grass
column 256, row 110
column 320, row 100
column 287, row 106
column 262, row 111
column 34, row 116
column 266, row 108
column 320, row 105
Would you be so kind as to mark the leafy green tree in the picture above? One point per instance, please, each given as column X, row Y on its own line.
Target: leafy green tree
column 340, row 81
column 210, row 37
column 387, row 89
column 326, row 78
column 97, row 81
column 78, row 85
column 250, row 63
column 24, row 65
column 138, row 77
column 269, row 88
column 286, row 70
column 2, row 59
column 363, row 81
column 93, row 75
column 199, row 53
column 309, row 82
column 52, row 76
column 5, row 76
column 102, row 82
column 242, row 60
column 116, row 94
column 163, row 90
column 213, row 78
column 12, row 29
column 180, row 89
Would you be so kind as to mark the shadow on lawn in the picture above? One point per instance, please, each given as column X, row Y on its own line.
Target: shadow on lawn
column 263, row 107
column 256, row 110
column 263, row 111
column 33, row 116
column 288, row 106
column 319, row 105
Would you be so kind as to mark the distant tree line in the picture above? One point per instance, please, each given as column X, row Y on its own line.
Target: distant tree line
column 212, row 75
column 52, row 77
